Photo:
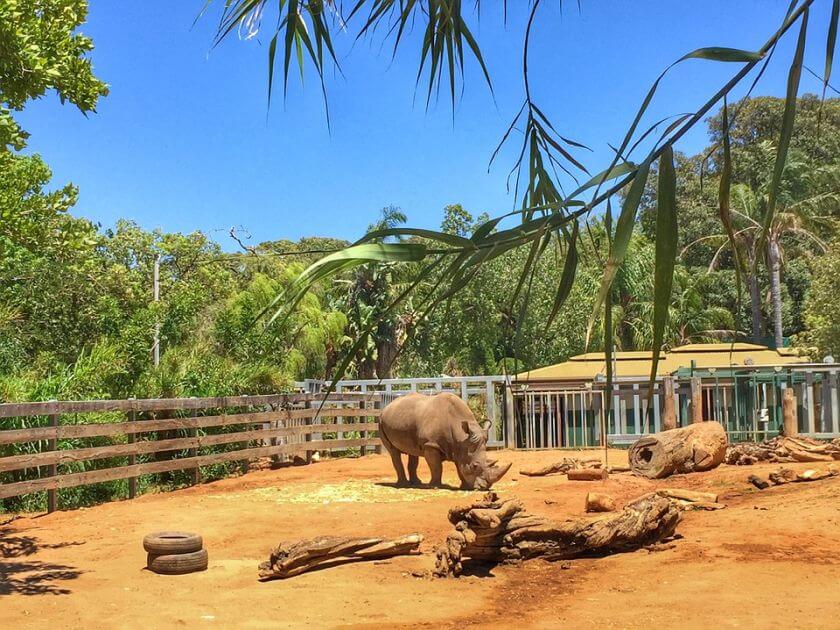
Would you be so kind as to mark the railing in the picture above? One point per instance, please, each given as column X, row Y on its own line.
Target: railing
column 482, row 393
column 34, row 457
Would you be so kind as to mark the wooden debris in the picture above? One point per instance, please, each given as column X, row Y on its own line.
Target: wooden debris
column 587, row 474
column 788, row 475
column 758, row 482
column 689, row 496
column 561, row 467
column 597, row 502
column 618, row 469
column 703, row 505
column 499, row 530
column 783, row 449
column 288, row 560
column 695, row 448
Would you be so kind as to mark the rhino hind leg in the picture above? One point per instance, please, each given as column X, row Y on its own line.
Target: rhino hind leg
column 396, row 459
column 435, row 461
column 413, row 462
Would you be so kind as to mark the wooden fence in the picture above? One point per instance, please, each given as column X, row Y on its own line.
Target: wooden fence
column 31, row 457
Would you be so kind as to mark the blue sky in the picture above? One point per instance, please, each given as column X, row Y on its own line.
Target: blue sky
column 184, row 141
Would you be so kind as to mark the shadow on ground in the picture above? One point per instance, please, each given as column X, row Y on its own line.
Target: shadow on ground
column 31, row 577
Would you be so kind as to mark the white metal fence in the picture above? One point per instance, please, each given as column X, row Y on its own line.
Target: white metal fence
column 483, row 394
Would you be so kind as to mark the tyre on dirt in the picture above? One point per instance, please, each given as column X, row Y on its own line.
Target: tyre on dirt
column 178, row 563
column 163, row 543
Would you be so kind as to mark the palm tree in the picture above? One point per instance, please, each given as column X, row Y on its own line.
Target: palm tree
column 809, row 197
column 370, row 291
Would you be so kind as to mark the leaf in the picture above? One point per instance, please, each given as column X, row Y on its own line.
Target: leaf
column 719, row 53
column 340, row 261
column 567, row 278
column 621, row 240
column 434, row 235
column 788, row 117
column 831, row 41
column 666, row 255
column 724, row 191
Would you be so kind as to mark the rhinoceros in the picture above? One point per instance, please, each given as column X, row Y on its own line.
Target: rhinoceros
column 439, row 428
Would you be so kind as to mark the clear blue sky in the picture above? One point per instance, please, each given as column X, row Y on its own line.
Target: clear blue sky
column 183, row 141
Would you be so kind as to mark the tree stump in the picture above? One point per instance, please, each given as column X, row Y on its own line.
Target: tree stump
column 694, row 448
column 496, row 530
column 327, row 551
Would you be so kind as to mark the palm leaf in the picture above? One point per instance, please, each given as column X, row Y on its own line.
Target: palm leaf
column 666, row 255
column 786, row 133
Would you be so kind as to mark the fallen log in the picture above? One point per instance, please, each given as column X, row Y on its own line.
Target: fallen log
column 288, row 560
column 788, row 475
column 561, row 467
column 597, row 502
column 496, row 530
column 694, row 448
column 783, row 449
column 689, row 496
column 587, row 474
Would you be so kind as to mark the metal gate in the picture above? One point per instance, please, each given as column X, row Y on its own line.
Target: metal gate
column 566, row 418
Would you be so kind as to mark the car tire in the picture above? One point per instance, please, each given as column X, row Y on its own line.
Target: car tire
column 178, row 563
column 164, row 543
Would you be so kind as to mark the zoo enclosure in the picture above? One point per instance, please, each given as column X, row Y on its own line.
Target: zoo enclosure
column 47, row 453
column 746, row 401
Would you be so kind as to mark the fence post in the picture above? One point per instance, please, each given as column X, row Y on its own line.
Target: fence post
column 789, row 420
column 307, row 437
column 490, row 395
column 132, row 458
column 379, row 404
column 193, row 452
column 669, row 416
column 696, row 400
column 510, row 426
column 53, row 468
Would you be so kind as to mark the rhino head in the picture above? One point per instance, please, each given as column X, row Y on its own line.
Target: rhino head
column 475, row 470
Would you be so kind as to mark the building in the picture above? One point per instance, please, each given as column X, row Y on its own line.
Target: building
column 564, row 405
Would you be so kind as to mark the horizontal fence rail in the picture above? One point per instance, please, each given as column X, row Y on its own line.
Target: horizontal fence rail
column 52, row 449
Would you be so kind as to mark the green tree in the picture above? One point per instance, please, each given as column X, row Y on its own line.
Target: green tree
column 548, row 215
column 39, row 52
column 822, row 333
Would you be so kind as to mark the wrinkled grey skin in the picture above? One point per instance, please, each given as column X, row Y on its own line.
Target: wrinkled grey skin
column 438, row 428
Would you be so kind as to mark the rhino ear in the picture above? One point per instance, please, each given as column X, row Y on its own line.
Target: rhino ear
column 473, row 435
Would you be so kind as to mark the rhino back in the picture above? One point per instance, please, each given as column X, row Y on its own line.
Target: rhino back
column 415, row 421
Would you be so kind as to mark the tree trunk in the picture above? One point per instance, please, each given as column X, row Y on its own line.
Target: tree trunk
column 755, row 307
column 694, row 448
column 494, row 530
column 328, row 551
column 755, row 295
column 774, row 256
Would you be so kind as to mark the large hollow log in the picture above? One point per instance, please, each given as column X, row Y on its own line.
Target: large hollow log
column 495, row 530
column 288, row 560
column 694, row 448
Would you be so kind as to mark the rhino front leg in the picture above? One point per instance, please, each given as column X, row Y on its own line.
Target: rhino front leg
column 413, row 462
column 435, row 461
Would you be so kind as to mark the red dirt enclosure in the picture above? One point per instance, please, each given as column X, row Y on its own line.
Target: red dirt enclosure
column 770, row 560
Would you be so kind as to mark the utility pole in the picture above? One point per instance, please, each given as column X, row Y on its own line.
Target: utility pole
column 156, row 297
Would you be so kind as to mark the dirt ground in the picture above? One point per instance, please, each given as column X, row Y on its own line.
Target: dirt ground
column 770, row 560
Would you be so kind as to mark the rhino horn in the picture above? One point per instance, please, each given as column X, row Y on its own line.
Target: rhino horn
column 494, row 473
